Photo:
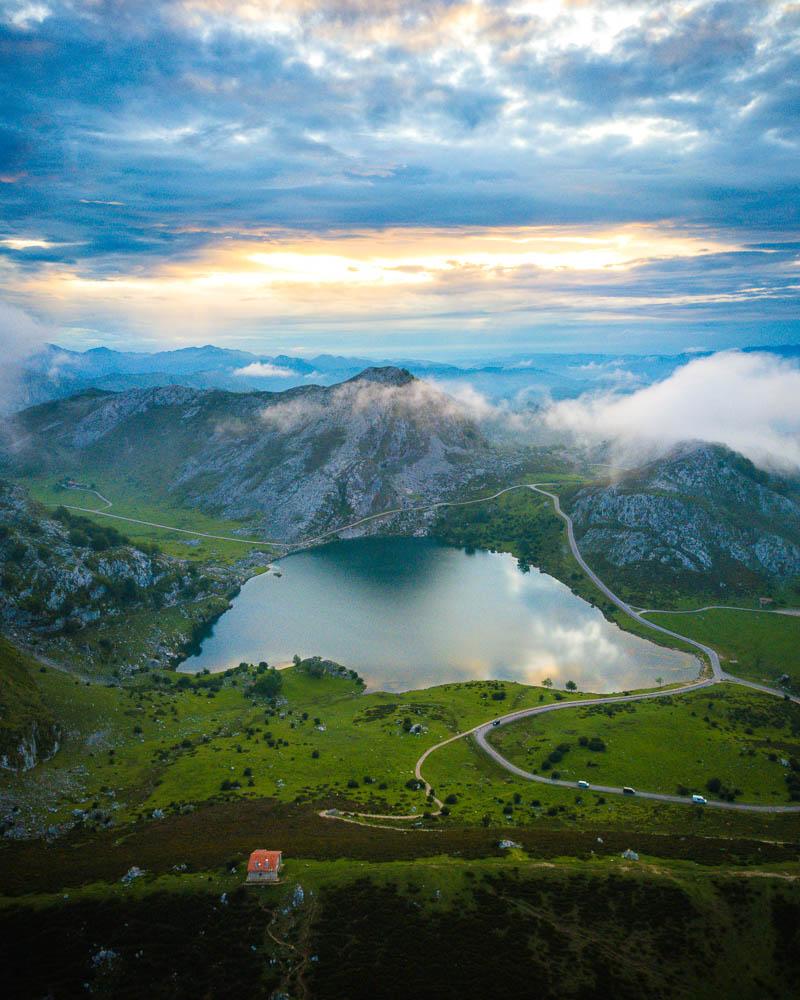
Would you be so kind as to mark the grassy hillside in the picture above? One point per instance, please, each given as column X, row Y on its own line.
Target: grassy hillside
column 183, row 776
column 752, row 644
column 131, row 501
column 674, row 744
column 436, row 927
column 169, row 746
column 28, row 728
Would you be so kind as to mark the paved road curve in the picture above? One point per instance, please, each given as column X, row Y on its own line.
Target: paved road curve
column 622, row 605
column 481, row 731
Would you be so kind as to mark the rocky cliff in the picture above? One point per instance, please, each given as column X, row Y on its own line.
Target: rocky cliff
column 292, row 463
column 702, row 516
column 29, row 732
column 59, row 572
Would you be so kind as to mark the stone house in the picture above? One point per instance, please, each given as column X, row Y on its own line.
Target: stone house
column 264, row 866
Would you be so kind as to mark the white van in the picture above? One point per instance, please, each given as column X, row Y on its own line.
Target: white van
column 699, row 800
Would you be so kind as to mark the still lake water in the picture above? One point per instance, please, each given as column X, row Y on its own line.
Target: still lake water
column 410, row 613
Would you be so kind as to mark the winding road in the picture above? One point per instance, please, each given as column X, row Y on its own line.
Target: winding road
column 482, row 730
column 289, row 546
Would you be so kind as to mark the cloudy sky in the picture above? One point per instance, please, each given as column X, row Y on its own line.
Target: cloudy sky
column 395, row 176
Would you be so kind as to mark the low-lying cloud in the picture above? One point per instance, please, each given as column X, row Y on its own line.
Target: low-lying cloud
column 263, row 369
column 21, row 336
column 749, row 402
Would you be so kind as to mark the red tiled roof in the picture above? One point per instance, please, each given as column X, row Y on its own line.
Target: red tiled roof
column 264, row 861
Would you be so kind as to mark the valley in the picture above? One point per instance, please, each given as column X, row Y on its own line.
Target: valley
column 485, row 636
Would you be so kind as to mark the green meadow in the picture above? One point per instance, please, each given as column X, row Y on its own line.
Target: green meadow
column 738, row 740
column 757, row 645
column 130, row 500
column 165, row 745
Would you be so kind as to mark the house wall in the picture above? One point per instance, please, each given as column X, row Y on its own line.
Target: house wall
column 262, row 876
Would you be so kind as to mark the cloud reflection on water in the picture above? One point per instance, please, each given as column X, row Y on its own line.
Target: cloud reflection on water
column 408, row 613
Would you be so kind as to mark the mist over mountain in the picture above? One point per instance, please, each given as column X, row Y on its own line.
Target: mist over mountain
column 293, row 463
column 523, row 380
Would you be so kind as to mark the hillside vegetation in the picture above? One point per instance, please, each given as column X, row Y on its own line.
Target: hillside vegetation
column 29, row 731
column 442, row 928
column 83, row 592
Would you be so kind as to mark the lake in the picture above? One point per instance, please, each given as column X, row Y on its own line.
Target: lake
column 410, row 613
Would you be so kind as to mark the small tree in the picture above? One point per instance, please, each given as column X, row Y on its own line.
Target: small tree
column 571, row 686
column 268, row 684
column 547, row 683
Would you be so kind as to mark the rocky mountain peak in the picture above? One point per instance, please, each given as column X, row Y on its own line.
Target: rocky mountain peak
column 388, row 375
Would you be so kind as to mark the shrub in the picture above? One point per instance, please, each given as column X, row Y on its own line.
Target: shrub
column 267, row 685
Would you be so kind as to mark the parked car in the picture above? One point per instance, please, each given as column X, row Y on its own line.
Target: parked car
column 700, row 800
column 627, row 790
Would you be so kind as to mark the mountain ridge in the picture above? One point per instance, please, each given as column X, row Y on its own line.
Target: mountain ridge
column 700, row 514
column 292, row 463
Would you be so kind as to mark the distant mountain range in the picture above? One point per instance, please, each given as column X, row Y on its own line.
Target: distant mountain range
column 292, row 464
column 527, row 379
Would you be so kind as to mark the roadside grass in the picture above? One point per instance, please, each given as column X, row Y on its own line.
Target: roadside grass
column 487, row 794
column 129, row 499
column 754, row 645
column 672, row 744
